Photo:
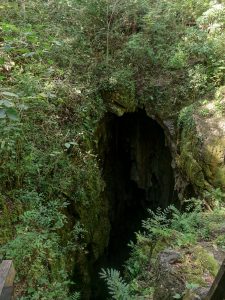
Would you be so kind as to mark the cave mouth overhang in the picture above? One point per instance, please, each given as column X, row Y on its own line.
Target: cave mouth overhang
column 136, row 164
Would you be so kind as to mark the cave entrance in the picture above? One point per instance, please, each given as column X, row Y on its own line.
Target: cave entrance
column 136, row 163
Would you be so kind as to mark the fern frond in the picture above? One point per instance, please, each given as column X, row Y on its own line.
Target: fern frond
column 118, row 288
column 75, row 296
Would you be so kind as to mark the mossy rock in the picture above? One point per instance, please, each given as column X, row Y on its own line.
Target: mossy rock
column 168, row 280
column 174, row 269
column 197, row 265
column 118, row 92
column 202, row 148
column 121, row 101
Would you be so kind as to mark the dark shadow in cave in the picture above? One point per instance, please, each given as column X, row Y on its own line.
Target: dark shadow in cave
column 136, row 163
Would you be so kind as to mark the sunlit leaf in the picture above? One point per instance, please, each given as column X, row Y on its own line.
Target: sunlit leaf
column 177, row 296
column 2, row 61
column 57, row 43
column 6, row 103
column 23, row 107
column 67, row 145
column 12, row 114
column 9, row 94
column 30, row 54
column 2, row 113
column 23, row 50
column 8, row 27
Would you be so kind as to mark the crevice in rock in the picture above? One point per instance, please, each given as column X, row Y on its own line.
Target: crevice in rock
column 136, row 165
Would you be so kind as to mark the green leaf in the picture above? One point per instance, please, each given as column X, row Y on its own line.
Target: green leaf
column 177, row 296
column 8, row 48
column 23, row 50
column 192, row 286
column 57, row 43
column 2, row 61
column 30, row 54
column 67, row 145
column 6, row 103
column 23, row 107
column 2, row 113
column 2, row 144
column 9, row 27
column 10, row 94
column 12, row 114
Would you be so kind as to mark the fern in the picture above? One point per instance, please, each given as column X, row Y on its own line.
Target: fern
column 75, row 296
column 185, row 222
column 170, row 221
column 118, row 288
column 157, row 224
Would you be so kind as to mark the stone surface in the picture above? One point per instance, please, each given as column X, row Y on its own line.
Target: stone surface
column 175, row 269
column 170, row 256
column 202, row 148
column 7, row 275
column 168, row 280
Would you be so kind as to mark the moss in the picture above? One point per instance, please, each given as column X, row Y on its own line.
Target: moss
column 202, row 146
column 206, row 260
column 191, row 167
column 121, row 100
column 220, row 240
column 191, row 161
column 160, row 245
column 5, row 221
column 196, row 264
column 214, row 156
column 188, row 146
column 193, row 170
column 118, row 92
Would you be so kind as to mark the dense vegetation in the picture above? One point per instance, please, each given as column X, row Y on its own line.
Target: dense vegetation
column 184, row 232
column 63, row 63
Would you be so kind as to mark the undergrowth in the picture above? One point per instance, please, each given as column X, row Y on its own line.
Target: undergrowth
column 61, row 63
column 166, row 229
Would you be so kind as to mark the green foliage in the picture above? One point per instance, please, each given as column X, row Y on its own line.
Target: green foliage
column 42, row 112
column 185, row 119
column 61, row 64
column 177, row 230
column 177, row 296
column 215, row 197
column 40, row 246
column 178, row 60
column 75, row 296
column 118, row 289
column 179, row 227
column 163, row 228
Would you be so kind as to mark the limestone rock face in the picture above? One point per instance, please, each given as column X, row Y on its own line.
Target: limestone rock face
column 212, row 132
column 202, row 147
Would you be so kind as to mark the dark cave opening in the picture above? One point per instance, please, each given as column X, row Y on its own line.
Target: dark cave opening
column 136, row 164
